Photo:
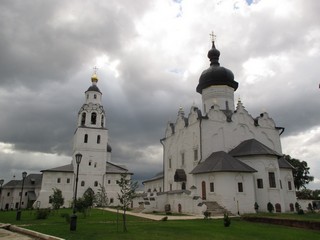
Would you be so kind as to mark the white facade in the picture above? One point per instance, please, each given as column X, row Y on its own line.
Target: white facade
column 12, row 192
column 222, row 154
column 95, row 169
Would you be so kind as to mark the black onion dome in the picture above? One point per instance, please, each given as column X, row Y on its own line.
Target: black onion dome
column 93, row 88
column 109, row 149
column 216, row 75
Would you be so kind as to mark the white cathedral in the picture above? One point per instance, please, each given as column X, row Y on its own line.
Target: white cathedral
column 220, row 158
column 96, row 168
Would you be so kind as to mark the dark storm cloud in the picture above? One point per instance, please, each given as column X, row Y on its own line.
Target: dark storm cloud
column 47, row 46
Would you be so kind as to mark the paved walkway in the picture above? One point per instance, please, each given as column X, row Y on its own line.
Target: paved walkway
column 12, row 232
column 159, row 217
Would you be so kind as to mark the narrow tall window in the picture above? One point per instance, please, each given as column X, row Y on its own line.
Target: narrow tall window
column 169, row 162
column 98, row 139
column 95, row 96
column 93, row 118
column 195, row 154
column 211, row 187
column 68, row 180
column 260, row 183
column 83, row 119
column 90, row 162
column 272, row 180
column 182, row 159
column 82, row 183
column 170, row 187
column 240, row 187
column 96, row 183
column 183, row 186
column 85, row 138
column 58, row 180
column 102, row 121
column 289, row 185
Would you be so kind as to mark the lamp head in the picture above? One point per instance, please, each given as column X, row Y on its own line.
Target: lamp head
column 24, row 174
column 1, row 182
column 78, row 158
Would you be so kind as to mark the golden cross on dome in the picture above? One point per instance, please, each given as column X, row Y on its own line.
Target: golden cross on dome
column 213, row 36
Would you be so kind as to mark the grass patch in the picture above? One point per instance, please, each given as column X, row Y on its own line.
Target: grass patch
column 99, row 224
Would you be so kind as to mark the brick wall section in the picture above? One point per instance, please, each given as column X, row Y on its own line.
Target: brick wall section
column 285, row 222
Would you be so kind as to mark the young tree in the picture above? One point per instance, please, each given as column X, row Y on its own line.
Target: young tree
column 56, row 198
column 300, row 172
column 126, row 195
column 101, row 198
column 85, row 202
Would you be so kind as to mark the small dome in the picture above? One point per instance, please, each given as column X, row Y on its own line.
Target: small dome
column 215, row 74
column 94, row 78
column 109, row 149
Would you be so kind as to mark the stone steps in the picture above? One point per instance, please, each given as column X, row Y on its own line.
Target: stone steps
column 215, row 209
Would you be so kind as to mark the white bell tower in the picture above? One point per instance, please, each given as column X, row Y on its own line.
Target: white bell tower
column 91, row 139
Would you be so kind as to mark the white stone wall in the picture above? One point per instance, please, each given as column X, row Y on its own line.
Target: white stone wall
column 153, row 186
column 50, row 181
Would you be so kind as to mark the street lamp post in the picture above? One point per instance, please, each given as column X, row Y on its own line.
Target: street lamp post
column 1, row 182
column 73, row 218
column 18, row 217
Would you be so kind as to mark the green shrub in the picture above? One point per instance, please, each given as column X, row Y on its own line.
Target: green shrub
column 300, row 212
column 42, row 213
column 207, row 214
column 168, row 213
column 226, row 220
column 66, row 216
column 164, row 218
column 270, row 207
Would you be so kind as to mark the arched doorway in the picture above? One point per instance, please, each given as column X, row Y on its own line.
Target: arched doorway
column 204, row 192
column 278, row 207
column 179, row 208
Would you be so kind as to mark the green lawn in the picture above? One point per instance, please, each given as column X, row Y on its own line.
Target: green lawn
column 103, row 225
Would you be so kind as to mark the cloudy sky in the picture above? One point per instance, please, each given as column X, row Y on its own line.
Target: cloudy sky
column 150, row 55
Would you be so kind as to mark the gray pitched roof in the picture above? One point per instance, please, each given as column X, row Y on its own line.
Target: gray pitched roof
column 113, row 168
column 221, row 162
column 284, row 163
column 252, row 147
column 156, row 177
column 65, row 168
column 33, row 180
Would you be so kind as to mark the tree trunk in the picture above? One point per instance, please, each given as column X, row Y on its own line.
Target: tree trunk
column 124, row 221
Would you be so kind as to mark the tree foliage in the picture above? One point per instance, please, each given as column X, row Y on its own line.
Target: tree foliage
column 56, row 199
column 101, row 198
column 300, row 172
column 126, row 195
column 86, row 201
column 309, row 194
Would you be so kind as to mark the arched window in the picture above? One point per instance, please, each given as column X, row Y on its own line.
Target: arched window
column 90, row 162
column 93, row 118
column 85, row 140
column 98, row 139
column 95, row 96
column 102, row 121
column 82, row 183
column 83, row 118
column 96, row 183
